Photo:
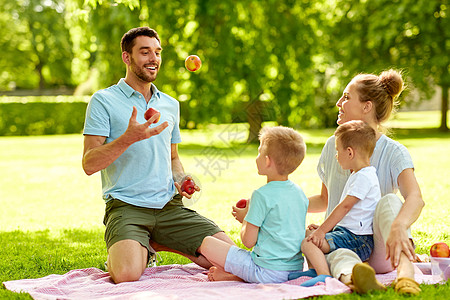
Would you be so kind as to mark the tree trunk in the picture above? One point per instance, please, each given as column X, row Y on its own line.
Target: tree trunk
column 444, row 108
column 41, row 77
column 255, row 118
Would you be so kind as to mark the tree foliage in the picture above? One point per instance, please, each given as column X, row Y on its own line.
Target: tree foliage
column 370, row 36
column 257, row 57
column 34, row 35
column 280, row 60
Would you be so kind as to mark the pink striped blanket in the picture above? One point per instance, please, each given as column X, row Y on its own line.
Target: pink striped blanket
column 175, row 282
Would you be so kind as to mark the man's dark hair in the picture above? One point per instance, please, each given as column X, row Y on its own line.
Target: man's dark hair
column 128, row 38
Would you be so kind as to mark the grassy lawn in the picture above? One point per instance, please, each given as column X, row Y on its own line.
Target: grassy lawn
column 51, row 212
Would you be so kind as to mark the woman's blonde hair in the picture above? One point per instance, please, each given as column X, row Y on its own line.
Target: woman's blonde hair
column 382, row 91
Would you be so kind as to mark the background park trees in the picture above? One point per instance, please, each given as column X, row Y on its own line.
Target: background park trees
column 281, row 60
column 36, row 51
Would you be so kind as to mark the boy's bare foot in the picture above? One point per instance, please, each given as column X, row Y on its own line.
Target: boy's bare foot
column 216, row 274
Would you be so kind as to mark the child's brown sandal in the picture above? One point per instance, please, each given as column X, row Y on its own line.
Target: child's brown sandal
column 364, row 280
column 405, row 285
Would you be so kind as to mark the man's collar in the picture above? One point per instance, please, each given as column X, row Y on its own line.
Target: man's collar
column 128, row 90
column 155, row 91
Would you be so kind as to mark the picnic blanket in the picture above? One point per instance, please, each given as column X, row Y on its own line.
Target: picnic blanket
column 176, row 282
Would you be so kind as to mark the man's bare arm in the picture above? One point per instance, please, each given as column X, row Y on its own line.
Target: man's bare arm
column 97, row 155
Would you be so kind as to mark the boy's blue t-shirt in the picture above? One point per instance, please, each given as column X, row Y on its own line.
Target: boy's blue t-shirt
column 279, row 210
column 142, row 175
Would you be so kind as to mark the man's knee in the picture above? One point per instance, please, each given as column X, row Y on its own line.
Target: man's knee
column 127, row 260
column 125, row 274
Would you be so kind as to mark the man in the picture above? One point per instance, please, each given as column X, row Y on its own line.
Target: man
column 140, row 167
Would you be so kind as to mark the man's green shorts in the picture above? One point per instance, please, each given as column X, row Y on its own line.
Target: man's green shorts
column 174, row 226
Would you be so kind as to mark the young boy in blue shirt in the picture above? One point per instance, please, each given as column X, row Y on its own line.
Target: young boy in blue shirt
column 273, row 222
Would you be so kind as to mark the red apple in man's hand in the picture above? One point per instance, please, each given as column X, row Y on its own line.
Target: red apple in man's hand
column 241, row 203
column 150, row 112
column 188, row 186
column 440, row 250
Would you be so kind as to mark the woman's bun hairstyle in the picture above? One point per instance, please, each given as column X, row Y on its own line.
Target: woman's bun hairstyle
column 392, row 82
column 382, row 91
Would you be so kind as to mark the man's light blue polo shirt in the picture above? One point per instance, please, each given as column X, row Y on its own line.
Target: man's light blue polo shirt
column 142, row 175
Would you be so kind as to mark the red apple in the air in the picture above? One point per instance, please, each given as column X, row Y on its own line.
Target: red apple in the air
column 188, row 186
column 440, row 250
column 193, row 63
column 241, row 203
column 150, row 112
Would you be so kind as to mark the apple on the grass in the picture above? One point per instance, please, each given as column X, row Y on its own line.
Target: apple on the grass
column 150, row 112
column 193, row 63
column 440, row 250
column 241, row 203
column 188, row 186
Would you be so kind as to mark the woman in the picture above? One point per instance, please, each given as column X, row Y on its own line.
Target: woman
column 372, row 98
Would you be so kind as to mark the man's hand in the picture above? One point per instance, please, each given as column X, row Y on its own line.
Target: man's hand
column 137, row 132
column 183, row 193
column 97, row 155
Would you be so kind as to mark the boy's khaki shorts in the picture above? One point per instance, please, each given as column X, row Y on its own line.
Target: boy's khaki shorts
column 173, row 226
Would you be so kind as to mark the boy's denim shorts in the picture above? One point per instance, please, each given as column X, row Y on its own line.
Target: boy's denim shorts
column 341, row 237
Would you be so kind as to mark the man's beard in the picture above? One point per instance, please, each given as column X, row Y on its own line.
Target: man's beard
column 141, row 73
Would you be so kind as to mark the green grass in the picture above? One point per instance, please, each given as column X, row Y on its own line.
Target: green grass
column 51, row 212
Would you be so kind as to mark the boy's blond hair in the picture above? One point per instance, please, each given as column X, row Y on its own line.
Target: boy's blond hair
column 284, row 146
column 357, row 135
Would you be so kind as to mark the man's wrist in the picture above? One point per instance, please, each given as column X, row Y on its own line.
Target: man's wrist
column 124, row 141
column 179, row 177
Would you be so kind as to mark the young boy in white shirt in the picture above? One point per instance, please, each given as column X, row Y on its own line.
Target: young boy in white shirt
column 350, row 224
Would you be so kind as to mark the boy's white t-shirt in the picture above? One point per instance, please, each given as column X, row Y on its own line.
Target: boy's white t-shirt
column 389, row 158
column 364, row 186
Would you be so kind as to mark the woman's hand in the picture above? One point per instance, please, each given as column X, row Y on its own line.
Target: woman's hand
column 398, row 242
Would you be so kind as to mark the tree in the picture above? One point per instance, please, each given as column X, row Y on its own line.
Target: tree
column 39, row 52
column 370, row 36
column 275, row 60
column 256, row 57
column 423, row 44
